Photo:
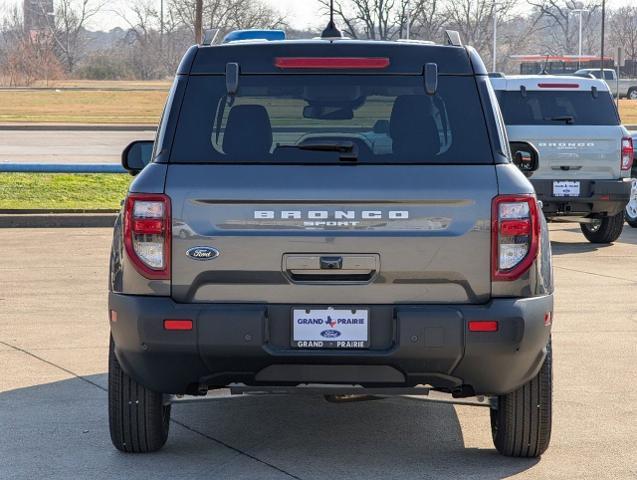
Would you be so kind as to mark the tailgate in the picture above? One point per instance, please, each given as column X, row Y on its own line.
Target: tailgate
column 332, row 234
column 572, row 152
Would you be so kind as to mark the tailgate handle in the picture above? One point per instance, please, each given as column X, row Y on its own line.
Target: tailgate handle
column 567, row 167
column 358, row 268
column 331, row 263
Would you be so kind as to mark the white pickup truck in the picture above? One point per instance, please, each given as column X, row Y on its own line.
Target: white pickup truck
column 627, row 86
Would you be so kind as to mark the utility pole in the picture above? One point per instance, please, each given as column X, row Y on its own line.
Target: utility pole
column 408, row 18
column 579, row 56
column 495, row 35
column 601, row 68
column 161, row 28
column 198, row 20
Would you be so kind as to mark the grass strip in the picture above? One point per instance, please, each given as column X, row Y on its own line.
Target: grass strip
column 62, row 191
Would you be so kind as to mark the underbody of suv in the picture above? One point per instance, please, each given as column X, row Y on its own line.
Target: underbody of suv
column 331, row 213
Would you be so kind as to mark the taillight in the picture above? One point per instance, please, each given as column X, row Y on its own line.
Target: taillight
column 627, row 153
column 515, row 235
column 147, row 234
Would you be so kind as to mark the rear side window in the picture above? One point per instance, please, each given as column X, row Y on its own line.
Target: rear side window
column 322, row 118
column 557, row 108
column 598, row 74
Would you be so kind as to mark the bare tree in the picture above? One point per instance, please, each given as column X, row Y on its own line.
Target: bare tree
column 425, row 19
column 67, row 27
column 26, row 56
column 142, row 40
column 474, row 20
column 559, row 24
column 371, row 19
column 623, row 23
column 227, row 14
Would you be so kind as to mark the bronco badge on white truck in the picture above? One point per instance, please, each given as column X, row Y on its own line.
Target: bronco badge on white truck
column 364, row 229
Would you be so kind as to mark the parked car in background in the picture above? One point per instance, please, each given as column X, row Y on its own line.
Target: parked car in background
column 586, row 155
column 627, row 86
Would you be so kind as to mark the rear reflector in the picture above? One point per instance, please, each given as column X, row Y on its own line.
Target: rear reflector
column 558, row 85
column 483, row 326
column 113, row 316
column 177, row 324
column 515, row 227
column 548, row 318
column 148, row 227
column 332, row 63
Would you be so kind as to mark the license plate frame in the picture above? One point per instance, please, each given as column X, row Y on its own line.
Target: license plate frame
column 330, row 328
column 566, row 188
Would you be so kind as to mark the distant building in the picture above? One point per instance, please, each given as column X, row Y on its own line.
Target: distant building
column 38, row 16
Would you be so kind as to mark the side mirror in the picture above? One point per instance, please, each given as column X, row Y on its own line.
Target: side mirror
column 525, row 157
column 137, row 155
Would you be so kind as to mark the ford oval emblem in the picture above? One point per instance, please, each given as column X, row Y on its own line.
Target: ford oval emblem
column 330, row 333
column 202, row 253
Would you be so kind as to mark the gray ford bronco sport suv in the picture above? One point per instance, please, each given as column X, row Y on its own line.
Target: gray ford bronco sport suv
column 335, row 216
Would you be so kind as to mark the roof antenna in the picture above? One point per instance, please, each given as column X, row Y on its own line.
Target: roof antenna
column 331, row 31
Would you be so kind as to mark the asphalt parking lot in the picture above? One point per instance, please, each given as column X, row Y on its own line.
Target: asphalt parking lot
column 66, row 146
column 53, row 350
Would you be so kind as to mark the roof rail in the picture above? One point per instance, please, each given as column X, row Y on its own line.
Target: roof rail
column 453, row 38
column 415, row 41
column 254, row 34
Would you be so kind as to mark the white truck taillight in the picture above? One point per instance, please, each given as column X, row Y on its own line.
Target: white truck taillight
column 515, row 235
column 147, row 234
column 627, row 153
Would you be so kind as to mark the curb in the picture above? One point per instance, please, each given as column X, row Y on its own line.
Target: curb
column 72, row 127
column 58, row 220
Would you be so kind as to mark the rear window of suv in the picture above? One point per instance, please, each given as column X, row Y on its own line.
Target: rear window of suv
column 557, row 108
column 331, row 118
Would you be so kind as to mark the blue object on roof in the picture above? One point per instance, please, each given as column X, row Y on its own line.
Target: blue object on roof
column 269, row 35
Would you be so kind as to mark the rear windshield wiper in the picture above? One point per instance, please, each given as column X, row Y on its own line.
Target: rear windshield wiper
column 348, row 150
column 568, row 119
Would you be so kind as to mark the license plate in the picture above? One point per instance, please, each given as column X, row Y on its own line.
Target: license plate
column 330, row 328
column 566, row 188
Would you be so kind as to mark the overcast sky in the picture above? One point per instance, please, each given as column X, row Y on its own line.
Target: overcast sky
column 301, row 13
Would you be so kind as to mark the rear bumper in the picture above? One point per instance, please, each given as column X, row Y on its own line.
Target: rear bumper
column 606, row 197
column 410, row 345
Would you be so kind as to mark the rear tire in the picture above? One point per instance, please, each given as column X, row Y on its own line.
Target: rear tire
column 631, row 207
column 138, row 417
column 607, row 230
column 521, row 426
column 632, row 94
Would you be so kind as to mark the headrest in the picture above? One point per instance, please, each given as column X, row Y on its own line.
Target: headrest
column 248, row 132
column 412, row 127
